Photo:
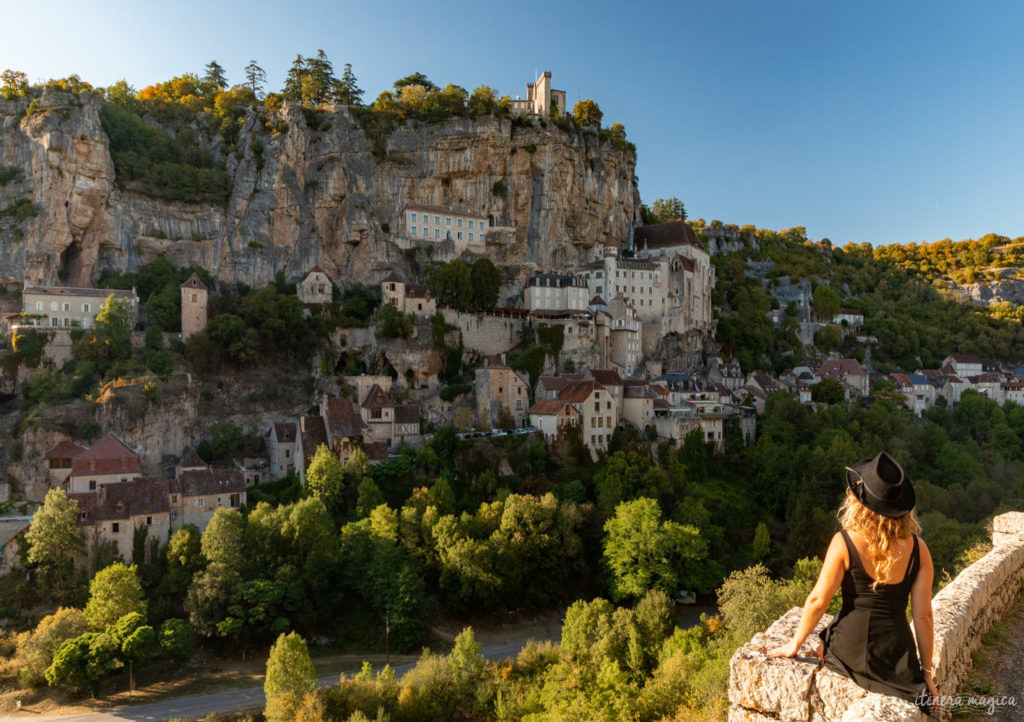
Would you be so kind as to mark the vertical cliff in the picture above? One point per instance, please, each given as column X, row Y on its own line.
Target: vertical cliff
column 322, row 194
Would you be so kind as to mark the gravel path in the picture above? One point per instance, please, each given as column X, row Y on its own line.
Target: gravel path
column 1002, row 666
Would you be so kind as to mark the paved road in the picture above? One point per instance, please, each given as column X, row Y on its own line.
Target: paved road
column 199, row 706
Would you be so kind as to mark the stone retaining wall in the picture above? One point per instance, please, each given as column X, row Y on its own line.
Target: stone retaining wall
column 796, row 689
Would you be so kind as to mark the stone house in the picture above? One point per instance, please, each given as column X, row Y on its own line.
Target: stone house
column 412, row 298
column 918, row 390
column 678, row 426
column 964, row 365
column 563, row 292
column 612, row 382
column 107, row 461
column 315, row 286
column 598, row 412
column 12, row 534
column 620, row 335
column 197, row 493
column 848, row 371
column 344, row 427
column 311, row 434
column 849, row 318
column 548, row 417
column 378, row 413
column 114, row 511
column 497, row 387
column 444, row 223
column 58, row 461
column 280, row 441
column 638, row 405
column 66, row 307
column 548, row 387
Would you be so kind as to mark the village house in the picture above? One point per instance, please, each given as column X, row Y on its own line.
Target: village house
column 12, row 536
column 548, row 386
column 963, row 365
column 345, row 428
column 315, row 286
column 599, row 415
column 108, row 461
column 387, row 421
column 727, row 374
column 281, row 443
column 548, row 417
column 443, row 223
column 67, row 307
column 638, row 405
column 197, row 493
column 497, row 387
column 620, row 335
column 541, row 99
column 917, row 389
column 612, row 382
column 58, row 461
column 310, row 436
column 849, row 318
column 560, row 292
column 848, row 371
column 112, row 512
column 408, row 297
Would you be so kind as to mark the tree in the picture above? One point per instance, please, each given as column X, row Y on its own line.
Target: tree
column 15, row 84
column 318, row 81
column 113, row 593
column 135, row 640
column 36, row 650
column 368, row 497
column 325, row 476
column 826, row 302
column 454, row 285
column 505, row 420
column 255, row 77
column 290, row 677
column 394, row 323
column 587, row 113
column 292, row 89
column 486, row 282
column 762, row 542
column 665, row 210
column 222, row 540
column 483, row 101
column 53, row 540
column 643, row 552
column 85, row 660
column 114, row 324
column 828, row 391
column 175, row 640
column 346, row 90
column 214, row 79
column 415, row 79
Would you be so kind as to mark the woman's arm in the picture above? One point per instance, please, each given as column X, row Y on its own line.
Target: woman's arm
column 818, row 600
column 921, row 605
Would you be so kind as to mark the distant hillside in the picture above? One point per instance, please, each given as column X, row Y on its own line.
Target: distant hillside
column 906, row 292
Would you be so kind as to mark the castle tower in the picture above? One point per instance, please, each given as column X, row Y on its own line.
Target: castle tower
column 193, row 306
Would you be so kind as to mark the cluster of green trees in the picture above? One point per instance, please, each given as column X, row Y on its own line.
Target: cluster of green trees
column 895, row 287
column 466, row 287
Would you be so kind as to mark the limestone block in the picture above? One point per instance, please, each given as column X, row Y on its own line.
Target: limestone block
column 833, row 694
column 1007, row 526
column 741, row 714
column 882, row 708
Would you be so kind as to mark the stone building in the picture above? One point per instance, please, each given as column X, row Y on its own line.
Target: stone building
column 280, row 441
column 549, row 416
column 497, row 387
column 540, row 98
column 66, row 308
column 556, row 292
column 315, row 286
column 598, row 413
column 196, row 494
column 620, row 335
column 408, row 297
column 108, row 461
column 113, row 512
column 58, row 460
column 194, row 298
column 444, row 223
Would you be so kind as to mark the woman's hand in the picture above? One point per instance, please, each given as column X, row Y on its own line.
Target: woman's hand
column 791, row 649
column 932, row 690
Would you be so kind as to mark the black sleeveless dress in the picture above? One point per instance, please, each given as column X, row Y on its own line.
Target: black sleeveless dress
column 870, row 641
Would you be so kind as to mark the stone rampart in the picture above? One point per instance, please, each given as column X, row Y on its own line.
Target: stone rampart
column 763, row 688
column 484, row 332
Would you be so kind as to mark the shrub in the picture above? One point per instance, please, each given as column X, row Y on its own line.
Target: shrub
column 21, row 210
column 9, row 173
column 449, row 393
column 530, row 147
column 499, row 189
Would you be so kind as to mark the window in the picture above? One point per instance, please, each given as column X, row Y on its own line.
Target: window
column 54, row 320
column 412, row 217
column 597, row 406
column 447, row 221
column 201, row 502
column 600, row 422
column 459, row 223
column 86, row 307
column 39, row 305
column 459, row 235
column 437, row 233
column 501, row 389
column 67, row 307
column 92, row 485
column 67, row 321
column 471, row 225
column 115, row 527
column 235, row 500
column 593, row 422
column 174, row 498
column 609, row 420
column 437, row 220
column 414, row 230
column 149, row 521
column 85, row 323
column 471, row 236
column 426, row 231
column 287, row 453
column 53, row 305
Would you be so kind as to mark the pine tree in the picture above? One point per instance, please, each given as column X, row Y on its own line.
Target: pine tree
column 292, row 89
column 255, row 77
column 346, row 90
column 290, row 677
column 214, row 78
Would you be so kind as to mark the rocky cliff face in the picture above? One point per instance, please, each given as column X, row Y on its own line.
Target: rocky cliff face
column 1010, row 290
column 314, row 196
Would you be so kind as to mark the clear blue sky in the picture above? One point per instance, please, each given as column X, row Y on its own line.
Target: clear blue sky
column 863, row 121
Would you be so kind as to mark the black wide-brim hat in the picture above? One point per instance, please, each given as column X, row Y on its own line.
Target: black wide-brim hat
column 881, row 485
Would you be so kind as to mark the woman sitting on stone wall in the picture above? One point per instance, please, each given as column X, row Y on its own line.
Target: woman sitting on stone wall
column 880, row 561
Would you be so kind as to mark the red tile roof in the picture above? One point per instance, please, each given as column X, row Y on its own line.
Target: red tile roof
column 407, row 414
column 66, row 449
column 284, row 431
column 313, row 434
column 342, row 419
column 580, row 391
column 392, row 277
column 194, row 282
column 606, row 377
column 109, row 455
column 191, row 459
column 376, row 398
column 553, row 407
column 418, row 290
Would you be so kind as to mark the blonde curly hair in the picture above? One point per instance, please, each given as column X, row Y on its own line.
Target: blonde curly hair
column 882, row 533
